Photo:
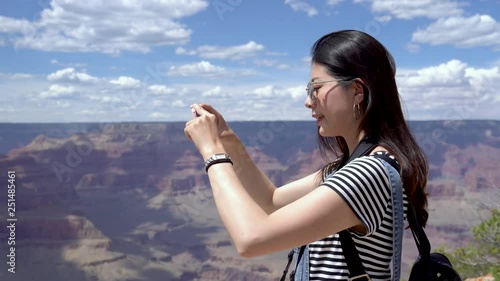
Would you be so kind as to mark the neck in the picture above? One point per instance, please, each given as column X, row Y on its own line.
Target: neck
column 353, row 141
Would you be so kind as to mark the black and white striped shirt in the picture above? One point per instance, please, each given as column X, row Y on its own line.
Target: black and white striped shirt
column 365, row 186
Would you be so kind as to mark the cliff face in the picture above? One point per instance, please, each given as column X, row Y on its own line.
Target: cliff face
column 58, row 228
column 140, row 198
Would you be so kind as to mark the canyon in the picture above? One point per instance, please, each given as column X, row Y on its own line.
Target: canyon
column 131, row 201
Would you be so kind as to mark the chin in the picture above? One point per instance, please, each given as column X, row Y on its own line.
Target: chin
column 325, row 133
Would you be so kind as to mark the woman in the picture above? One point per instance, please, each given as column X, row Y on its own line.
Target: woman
column 353, row 95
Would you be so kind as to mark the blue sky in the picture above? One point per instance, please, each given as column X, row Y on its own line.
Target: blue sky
column 131, row 60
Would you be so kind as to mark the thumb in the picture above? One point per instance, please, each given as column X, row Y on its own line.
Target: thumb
column 187, row 133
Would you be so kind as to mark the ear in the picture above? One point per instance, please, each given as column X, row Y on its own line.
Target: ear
column 359, row 92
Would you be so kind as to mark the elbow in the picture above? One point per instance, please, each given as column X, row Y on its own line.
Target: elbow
column 245, row 253
column 249, row 247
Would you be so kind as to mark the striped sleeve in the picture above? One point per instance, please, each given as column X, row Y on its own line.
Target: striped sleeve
column 365, row 186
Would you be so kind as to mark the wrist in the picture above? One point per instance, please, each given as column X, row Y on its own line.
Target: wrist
column 231, row 142
column 211, row 150
column 228, row 137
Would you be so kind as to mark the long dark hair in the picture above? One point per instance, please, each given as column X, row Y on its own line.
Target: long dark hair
column 350, row 54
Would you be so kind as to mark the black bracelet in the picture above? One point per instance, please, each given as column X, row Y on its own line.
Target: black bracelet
column 224, row 160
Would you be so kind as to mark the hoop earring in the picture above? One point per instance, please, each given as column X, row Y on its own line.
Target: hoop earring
column 356, row 109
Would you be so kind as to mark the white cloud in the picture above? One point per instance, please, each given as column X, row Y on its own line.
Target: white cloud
column 105, row 99
column 104, row 26
column 462, row 32
column 277, row 54
column 384, row 18
column 183, row 51
column 179, row 103
column 264, row 62
column 244, row 72
column 484, row 79
column 91, row 112
column 413, row 48
column 56, row 91
column 215, row 92
column 161, row 90
column 203, row 68
column 451, row 73
column 260, row 106
column 333, row 2
column 17, row 76
column 158, row 115
column 126, row 82
column 217, row 52
column 8, row 25
column 266, row 91
column 158, row 103
column 302, row 6
column 271, row 91
column 297, row 93
column 271, row 63
column 61, row 104
column 452, row 90
column 409, row 9
column 70, row 74
column 8, row 110
column 68, row 65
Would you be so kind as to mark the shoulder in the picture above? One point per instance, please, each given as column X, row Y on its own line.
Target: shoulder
column 362, row 171
column 370, row 162
column 364, row 184
column 388, row 160
column 367, row 170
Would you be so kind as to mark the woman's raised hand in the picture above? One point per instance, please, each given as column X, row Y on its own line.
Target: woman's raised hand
column 207, row 129
column 222, row 127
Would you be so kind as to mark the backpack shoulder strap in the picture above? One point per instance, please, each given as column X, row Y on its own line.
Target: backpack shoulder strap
column 363, row 148
column 397, row 212
column 353, row 261
column 351, row 255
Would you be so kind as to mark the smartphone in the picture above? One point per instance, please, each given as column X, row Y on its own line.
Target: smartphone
column 195, row 114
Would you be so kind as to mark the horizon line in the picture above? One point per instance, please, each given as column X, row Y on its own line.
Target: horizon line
column 234, row 121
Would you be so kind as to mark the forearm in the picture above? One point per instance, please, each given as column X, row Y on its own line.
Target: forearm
column 238, row 211
column 253, row 180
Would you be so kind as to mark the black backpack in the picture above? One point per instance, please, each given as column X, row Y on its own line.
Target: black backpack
column 428, row 266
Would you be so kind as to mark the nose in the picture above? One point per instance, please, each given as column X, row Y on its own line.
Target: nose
column 308, row 103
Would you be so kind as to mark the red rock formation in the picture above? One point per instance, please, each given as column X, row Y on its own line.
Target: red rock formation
column 58, row 228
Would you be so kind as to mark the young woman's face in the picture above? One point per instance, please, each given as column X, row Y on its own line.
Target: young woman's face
column 331, row 103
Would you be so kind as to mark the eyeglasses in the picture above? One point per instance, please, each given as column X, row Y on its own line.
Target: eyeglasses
column 310, row 88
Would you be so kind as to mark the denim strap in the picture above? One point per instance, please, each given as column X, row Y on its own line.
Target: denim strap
column 397, row 219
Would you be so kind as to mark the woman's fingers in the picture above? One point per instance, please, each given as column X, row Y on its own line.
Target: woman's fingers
column 200, row 110
column 209, row 108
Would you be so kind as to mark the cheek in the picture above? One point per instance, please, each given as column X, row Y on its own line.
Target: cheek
column 337, row 113
column 336, row 108
column 337, row 99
